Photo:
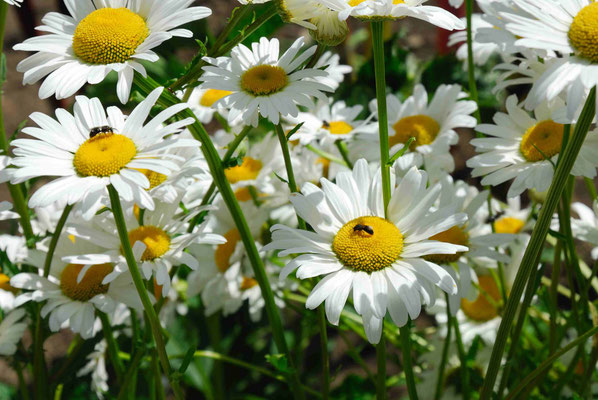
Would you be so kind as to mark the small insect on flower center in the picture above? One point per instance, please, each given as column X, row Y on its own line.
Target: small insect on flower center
column 157, row 241
column 264, row 80
column 368, row 244
column 423, row 128
column 225, row 251
column 454, row 235
column 211, row 96
column 338, row 127
column 155, row 178
column 248, row 283
column 109, row 35
column 91, row 284
column 247, row 171
column 508, row 225
column 583, row 33
column 482, row 309
column 104, row 155
column 542, row 141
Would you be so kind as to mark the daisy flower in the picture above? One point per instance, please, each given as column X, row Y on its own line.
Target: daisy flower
column 511, row 217
column 586, row 227
column 202, row 101
column 5, row 213
column 12, row 329
column 335, row 71
column 159, row 243
column 481, row 51
column 14, row 2
column 86, row 163
column 7, row 293
column 526, row 148
column 380, row 260
column 264, row 83
column 431, row 124
column 569, row 28
column 99, row 37
column 96, row 367
column 394, row 9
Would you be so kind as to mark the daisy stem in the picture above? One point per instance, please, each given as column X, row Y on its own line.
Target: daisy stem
column 119, row 368
column 284, row 145
column 591, row 188
column 407, row 362
column 342, row 148
column 462, row 358
column 473, row 89
column 314, row 59
column 536, row 243
column 445, row 350
column 55, row 238
column 379, row 69
column 324, row 351
column 141, row 290
column 381, row 374
column 326, row 155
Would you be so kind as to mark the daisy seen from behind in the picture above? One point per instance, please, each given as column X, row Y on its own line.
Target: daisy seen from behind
column 99, row 37
column 379, row 260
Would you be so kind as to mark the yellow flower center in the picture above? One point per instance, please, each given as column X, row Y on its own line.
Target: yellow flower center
column 454, row 235
column 5, row 284
column 104, row 155
column 157, row 241
column 155, row 178
column 338, row 127
column 542, row 141
column 264, row 80
column 482, row 309
column 247, row 171
column 248, row 283
column 368, row 244
column 423, row 128
column 243, row 194
column 109, row 35
column 583, row 33
column 225, row 251
column 91, row 284
column 508, row 225
column 211, row 96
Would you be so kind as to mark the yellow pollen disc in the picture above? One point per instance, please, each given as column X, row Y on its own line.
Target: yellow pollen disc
column 542, row 141
column 157, row 241
column 338, row 127
column 5, row 284
column 423, row 128
column 91, row 284
column 361, row 250
column 481, row 309
column 583, row 33
column 325, row 165
column 248, row 283
column 243, row 194
column 155, row 178
column 264, row 80
column 225, row 251
column 508, row 225
column 247, row 171
column 109, row 35
column 104, row 155
column 454, row 235
column 211, row 96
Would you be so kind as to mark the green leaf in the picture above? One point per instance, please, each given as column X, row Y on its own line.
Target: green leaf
column 279, row 362
column 294, row 130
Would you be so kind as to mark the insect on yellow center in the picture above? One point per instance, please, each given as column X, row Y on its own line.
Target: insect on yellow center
column 225, row 251
column 91, row 284
column 157, row 241
column 264, row 80
column 368, row 244
column 5, row 284
column 423, row 128
column 542, row 141
column 104, row 155
column 338, row 127
column 583, row 33
column 482, row 309
column 155, row 178
column 211, row 96
column 247, row 171
column 454, row 235
column 508, row 225
column 109, row 35
column 248, row 283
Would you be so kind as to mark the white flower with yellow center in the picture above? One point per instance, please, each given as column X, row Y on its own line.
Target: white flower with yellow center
column 158, row 244
column 432, row 125
column 12, row 328
column 7, row 293
column 335, row 71
column 586, row 227
column 99, row 37
column 525, row 148
column 86, row 163
column 357, row 249
column 567, row 27
column 202, row 102
column 481, row 51
column 262, row 83
column 394, row 9
column 511, row 218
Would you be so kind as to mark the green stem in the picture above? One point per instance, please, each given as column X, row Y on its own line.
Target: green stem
column 215, row 336
column 380, row 71
column 112, row 346
column 157, row 377
column 354, row 354
column 473, row 89
column 589, row 371
column 141, row 290
column 324, row 351
column 445, row 351
column 342, row 148
column 591, row 188
column 381, row 364
column 214, row 162
column 55, row 238
column 407, row 362
column 288, row 163
column 553, row 294
column 462, row 359
column 314, row 59
column 528, row 264
column 22, row 385
column 326, row 155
